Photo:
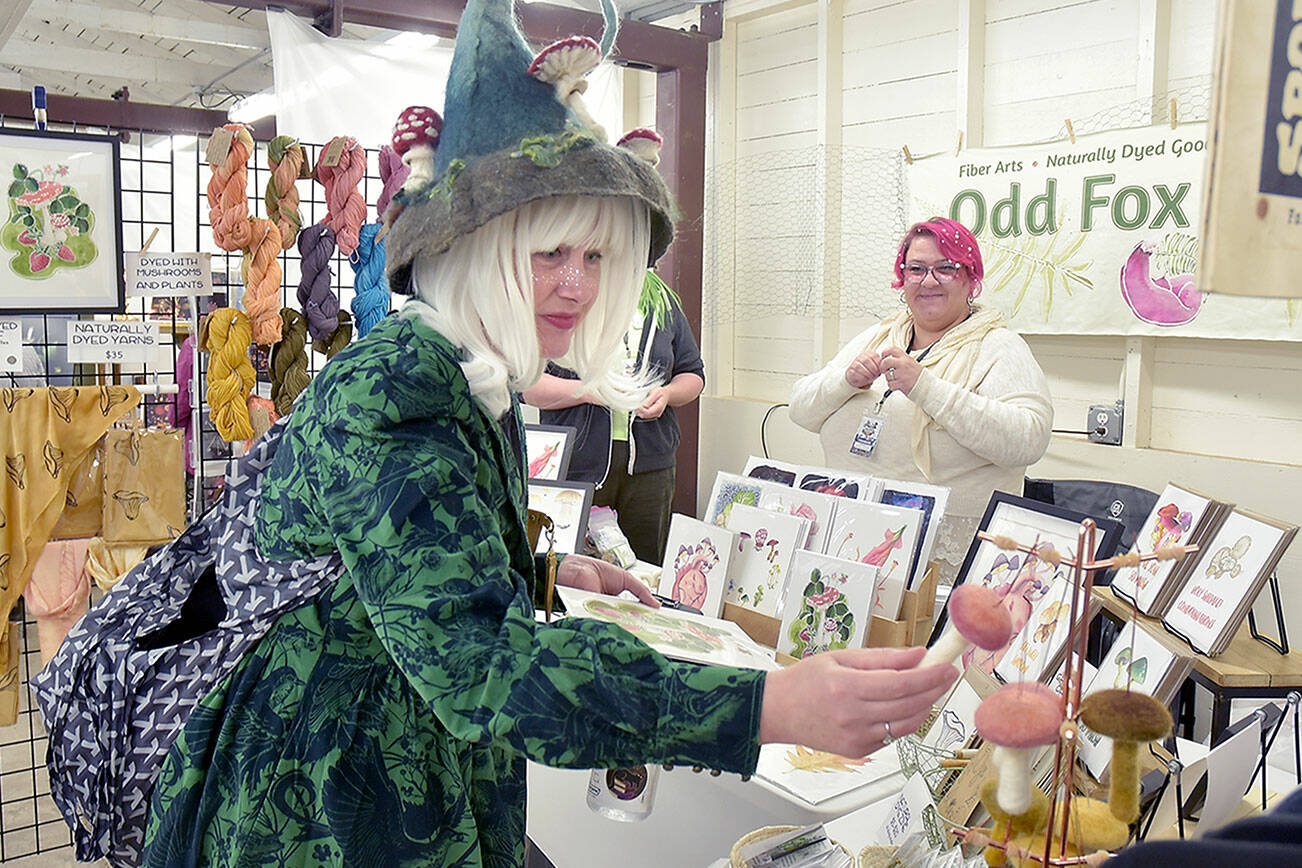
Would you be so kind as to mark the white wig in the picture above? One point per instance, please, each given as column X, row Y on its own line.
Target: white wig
column 479, row 295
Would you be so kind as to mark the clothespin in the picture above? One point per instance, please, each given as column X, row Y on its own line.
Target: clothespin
column 960, row 143
column 38, row 106
column 1071, row 133
column 1173, row 118
column 144, row 248
column 908, row 158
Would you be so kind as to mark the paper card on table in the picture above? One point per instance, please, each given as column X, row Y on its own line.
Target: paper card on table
column 1177, row 512
column 818, row 508
column 955, row 725
column 697, row 555
column 876, row 534
column 766, row 543
column 815, row 776
column 680, row 635
column 827, row 605
column 905, row 817
column 729, row 488
column 771, row 470
column 889, row 594
column 931, row 500
column 1230, row 768
column 826, row 480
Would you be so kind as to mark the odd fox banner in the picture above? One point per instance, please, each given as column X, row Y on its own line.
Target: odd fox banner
column 1095, row 237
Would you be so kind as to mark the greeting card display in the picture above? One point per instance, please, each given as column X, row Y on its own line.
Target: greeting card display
column 1180, row 517
column 837, row 483
column 827, row 605
column 877, row 535
column 815, row 776
column 766, row 543
column 679, row 635
column 817, row 508
column 771, row 470
column 729, row 489
column 931, row 500
column 697, row 555
column 547, row 450
column 1139, row 661
column 1226, row 578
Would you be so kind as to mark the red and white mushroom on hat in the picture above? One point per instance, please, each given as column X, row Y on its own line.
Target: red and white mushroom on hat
column 415, row 138
column 565, row 65
column 644, row 142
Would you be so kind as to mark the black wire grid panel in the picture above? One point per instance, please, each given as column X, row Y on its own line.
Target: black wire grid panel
column 164, row 182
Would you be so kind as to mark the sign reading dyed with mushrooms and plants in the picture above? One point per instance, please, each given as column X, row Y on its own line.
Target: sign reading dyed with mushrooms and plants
column 1095, row 236
column 60, row 238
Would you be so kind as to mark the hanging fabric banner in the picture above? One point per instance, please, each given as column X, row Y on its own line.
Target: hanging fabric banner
column 1098, row 236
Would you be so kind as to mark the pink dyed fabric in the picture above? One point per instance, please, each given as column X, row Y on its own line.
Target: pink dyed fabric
column 58, row 593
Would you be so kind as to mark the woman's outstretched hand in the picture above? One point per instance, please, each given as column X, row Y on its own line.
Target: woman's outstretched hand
column 841, row 701
column 600, row 577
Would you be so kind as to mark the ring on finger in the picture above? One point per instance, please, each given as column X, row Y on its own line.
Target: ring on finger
column 890, row 373
column 890, row 736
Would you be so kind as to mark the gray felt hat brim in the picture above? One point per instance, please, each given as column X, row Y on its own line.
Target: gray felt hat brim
column 431, row 218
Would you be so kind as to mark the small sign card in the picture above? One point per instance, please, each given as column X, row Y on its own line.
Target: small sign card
column 168, row 274
column 11, row 346
column 115, row 342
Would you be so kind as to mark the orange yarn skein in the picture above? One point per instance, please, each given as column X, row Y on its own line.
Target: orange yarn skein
column 228, row 200
column 261, row 273
column 227, row 335
column 345, row 207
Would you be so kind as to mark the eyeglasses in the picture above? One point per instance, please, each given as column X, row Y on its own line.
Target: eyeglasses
column 944, row 273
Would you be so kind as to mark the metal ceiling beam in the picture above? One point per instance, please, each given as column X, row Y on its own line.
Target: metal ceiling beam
column 137, row 23
column 126, row 67
column 124, row 114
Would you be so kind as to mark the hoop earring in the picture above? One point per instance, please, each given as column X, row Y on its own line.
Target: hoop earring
column 903, row 300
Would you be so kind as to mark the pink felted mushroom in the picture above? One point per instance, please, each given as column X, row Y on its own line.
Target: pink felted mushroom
column 1018, row 718
column 977, row 616
column 565, row 65
column 415, row 137
column 643, row 142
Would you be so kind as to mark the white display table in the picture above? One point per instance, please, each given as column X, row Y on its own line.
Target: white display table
column 695, row 821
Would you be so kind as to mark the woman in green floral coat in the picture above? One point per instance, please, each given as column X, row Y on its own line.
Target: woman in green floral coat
column 388, row 722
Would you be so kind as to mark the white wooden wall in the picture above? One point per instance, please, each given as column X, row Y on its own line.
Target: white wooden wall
column 1220, row 415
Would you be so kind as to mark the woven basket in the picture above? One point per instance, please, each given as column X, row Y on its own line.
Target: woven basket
column 734, row 860
column 876, row 857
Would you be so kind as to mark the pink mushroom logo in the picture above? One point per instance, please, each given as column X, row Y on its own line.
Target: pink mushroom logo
column 48, row 226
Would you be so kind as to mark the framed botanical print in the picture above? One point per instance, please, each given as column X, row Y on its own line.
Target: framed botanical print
column 567, row 505
column 1023, row 580
column 547, row 450
column 61, row 239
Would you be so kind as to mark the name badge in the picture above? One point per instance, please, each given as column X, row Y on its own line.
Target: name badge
column 865, row 439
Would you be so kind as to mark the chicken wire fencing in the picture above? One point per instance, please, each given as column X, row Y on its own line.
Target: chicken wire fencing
column 164, row 177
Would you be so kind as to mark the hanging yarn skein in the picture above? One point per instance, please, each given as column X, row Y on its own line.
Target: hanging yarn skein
column 261, row 274
column 288, row 163
column 228, row 200
column 289, row 376
column 371, row 288
column 393, row 173
column 338, row 339
column 345, row 207
column 316, row 246
column 227, row 335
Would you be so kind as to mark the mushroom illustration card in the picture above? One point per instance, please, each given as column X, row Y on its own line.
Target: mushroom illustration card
column 818, row 508
column 1036, row 646
column 814, row 776
column 954, row 726
column 838, row 483
column 931, row 500
column 875, row 534
column 697, row 555
column 1175, row 516
column 729, row 489
column 679, row 635
column 827, row 605
column 771, row 470
column 766, row 543
column 1224, row 582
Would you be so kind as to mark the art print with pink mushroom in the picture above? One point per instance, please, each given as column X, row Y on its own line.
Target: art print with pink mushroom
column 61, row 237
column 697, row 557
column 827, row 605
column 766, row 543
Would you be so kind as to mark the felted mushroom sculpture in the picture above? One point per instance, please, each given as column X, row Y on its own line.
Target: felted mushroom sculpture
column 1091, row 825
column 977, row 616
column 565, row 65
column 1018, row 718
column 643, row 142
column 415, row 137
column 1129, row 719
column 1028, row 822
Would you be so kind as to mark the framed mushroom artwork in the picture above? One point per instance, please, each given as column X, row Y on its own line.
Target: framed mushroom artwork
column 567, row 505
column 61, row 239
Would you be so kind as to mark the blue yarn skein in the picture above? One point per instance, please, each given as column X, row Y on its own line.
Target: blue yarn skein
column 371, row 290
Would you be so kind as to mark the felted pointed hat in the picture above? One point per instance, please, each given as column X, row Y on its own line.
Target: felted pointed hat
column 514, row 130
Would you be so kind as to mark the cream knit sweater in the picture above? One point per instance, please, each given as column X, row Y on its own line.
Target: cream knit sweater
column 980, row 441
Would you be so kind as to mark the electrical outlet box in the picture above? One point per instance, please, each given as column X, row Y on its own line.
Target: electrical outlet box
column 1103, row 424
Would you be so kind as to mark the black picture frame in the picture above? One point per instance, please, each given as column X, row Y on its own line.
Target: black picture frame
column 571, row 528
column 98, row 285
column 1107, row 537
column 564, row 434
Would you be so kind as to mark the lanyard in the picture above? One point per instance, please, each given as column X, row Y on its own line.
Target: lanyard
column 890, row 389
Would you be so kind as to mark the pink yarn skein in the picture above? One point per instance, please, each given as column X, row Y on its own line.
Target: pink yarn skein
column 345, row 207
column 393, row 172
